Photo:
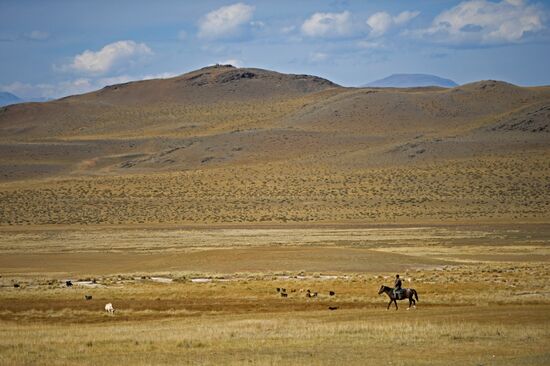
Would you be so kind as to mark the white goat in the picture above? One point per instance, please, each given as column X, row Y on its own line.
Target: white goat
column 109, row 308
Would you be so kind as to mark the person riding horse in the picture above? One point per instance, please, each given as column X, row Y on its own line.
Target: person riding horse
column 397, row 287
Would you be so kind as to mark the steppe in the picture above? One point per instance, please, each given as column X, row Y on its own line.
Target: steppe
column 187, row 201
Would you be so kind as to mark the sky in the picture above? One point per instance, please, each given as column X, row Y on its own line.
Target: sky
column 50, row 49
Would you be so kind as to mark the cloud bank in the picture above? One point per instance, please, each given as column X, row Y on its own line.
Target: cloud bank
column 481, row 22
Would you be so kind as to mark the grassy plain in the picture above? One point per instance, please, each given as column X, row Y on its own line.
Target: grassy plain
column 208, row 296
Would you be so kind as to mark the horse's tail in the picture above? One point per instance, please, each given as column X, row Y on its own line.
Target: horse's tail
column 415, row 294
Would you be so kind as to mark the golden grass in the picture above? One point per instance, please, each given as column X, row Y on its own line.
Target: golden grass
column 486, row 309
column 440, row 337
column 490, row 190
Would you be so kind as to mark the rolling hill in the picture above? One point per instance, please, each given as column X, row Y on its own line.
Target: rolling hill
column 241, row 145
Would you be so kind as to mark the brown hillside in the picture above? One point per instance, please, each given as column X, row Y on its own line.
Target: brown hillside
column 223, row 144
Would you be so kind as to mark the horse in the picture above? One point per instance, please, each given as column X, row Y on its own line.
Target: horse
column 408, row 293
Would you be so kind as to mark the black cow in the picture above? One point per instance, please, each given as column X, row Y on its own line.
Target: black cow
column 332, row 293
column 88, row 297
column 16, row 285
column 68, row 283
column 284, row 294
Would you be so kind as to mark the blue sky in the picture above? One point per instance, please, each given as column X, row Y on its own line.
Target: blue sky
column 56, row 48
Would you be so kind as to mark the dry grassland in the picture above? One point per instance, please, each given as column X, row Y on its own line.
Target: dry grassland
column 490, row 190
column 186, row 202
column 184, row 298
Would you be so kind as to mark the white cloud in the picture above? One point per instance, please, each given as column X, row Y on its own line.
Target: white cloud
column 226, row 21
column 484, row 22
column 328, row 25
column 381, row 22
column 109, row 56
column 405, row 16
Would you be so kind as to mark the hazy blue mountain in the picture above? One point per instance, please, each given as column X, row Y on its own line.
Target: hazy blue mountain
column 412, row 80
column 9, row 98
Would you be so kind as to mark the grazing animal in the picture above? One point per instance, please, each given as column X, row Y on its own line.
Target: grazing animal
column 68, row 283
column 278, row 289
column 311, row 294
column 109, row 308
column 332, row 293
column 408, row 293
column 333, row 307
column 88, row 297
column 283, row 289
column 284, row 294
column 16, row 285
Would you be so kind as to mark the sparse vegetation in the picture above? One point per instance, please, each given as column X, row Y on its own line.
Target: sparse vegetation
column 187, row 202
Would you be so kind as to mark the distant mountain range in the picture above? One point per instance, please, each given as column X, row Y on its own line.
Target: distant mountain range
column 7, row 98
column 412, row 80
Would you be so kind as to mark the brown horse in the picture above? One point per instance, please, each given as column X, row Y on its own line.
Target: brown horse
column 407, row 293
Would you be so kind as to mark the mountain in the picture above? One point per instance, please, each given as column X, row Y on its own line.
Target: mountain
column 412, row 80
column 243, row 145
column 9, row 98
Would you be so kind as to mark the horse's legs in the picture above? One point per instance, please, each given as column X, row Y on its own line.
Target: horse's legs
column 389, row 304
column 395, row 302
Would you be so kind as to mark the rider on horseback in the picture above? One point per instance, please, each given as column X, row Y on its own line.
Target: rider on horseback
column 397, row 287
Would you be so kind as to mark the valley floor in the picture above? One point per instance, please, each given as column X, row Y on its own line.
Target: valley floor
column 183, row 298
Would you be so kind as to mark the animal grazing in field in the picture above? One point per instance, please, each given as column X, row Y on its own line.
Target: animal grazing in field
column 333, row 307
column 278, row 289
column 408, row 293
column 311, row 294
column 283, row 289
column 68, row 283
column 88, row 297
column 109, row 308
column 284, row 294
column 332, row 293
column 16, row 285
